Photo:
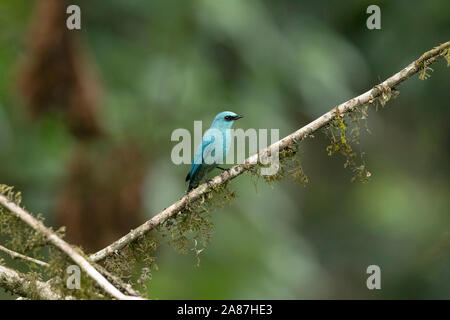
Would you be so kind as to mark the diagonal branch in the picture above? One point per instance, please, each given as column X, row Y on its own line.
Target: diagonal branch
column 64, row 247
column 15, row 282
column 16, row 255
column 368, row 97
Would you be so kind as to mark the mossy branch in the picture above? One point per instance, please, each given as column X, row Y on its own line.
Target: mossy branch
column 13, row 281
column 64, row 247
column 16, row 255
column 382, row 91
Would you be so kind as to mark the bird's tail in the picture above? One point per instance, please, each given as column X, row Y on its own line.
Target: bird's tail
column 191, row 186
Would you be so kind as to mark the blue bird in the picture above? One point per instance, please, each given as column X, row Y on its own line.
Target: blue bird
column 213, row 148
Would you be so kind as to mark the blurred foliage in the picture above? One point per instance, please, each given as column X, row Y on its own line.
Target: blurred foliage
column 281, row 64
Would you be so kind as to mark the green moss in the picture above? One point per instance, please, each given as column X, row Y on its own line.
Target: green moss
column 17, row 235
column 32, row 289
column 447, row 57
column 133, row 264
column 193, row 224
column 337, row 132
column 290, row 167
column 341, row 138
column 21, row 238
column 27, row 288
column 57, row 272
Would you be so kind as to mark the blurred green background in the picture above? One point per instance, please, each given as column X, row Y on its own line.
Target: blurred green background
column 86, row 118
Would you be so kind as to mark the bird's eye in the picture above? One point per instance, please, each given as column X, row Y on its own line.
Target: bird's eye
column 228, row 118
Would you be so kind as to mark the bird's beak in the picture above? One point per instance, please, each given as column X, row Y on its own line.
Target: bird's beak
column 237, row 117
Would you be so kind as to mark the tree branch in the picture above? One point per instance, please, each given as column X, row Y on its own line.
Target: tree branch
column 125, row 287
column 16, row 255
column 14, row 282
column 64, row 247
column 368, row 97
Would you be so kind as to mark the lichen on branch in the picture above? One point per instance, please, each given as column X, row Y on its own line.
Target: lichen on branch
column 382, row 92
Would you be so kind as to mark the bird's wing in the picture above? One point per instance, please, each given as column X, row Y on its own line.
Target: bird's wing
column 205, row 148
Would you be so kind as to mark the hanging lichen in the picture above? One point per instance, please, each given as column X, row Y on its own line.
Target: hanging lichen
column 23, row 239
column 447, row 57
column 193, row 224
column 290, row 167
column 59, row 275
column 340, row 137
column 18, row 236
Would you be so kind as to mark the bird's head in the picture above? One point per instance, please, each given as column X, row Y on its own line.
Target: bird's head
column 225, row 119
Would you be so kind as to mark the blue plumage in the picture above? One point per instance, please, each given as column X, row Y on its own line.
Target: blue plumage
column 213, row 148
